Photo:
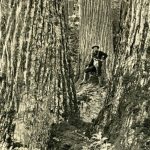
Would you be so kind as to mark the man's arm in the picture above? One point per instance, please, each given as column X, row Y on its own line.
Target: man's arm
column 91, row 62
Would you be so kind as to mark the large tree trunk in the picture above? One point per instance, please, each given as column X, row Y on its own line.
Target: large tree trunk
column 125, row 116
column 96, row 29
column 36, row 63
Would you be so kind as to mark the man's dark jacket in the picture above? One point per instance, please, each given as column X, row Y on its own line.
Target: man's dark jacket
column 97, row 55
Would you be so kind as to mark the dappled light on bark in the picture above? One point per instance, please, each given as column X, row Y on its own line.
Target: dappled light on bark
column 36, row 62
column 45, row 49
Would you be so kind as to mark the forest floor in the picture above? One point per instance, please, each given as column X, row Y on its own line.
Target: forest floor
column 75, row 137
column 69, row 137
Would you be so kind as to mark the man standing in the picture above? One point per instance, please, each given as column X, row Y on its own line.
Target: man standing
column 95, row 65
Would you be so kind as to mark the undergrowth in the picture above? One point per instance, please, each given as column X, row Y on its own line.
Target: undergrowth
column 98, row 142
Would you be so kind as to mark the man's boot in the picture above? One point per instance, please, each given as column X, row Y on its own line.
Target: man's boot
column 85, row 78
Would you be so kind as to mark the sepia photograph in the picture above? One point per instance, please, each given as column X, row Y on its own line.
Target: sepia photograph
column 74, row 74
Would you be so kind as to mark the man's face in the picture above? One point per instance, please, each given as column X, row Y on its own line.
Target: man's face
column 95, row 48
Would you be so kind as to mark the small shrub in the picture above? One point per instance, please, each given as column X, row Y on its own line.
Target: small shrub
column 97, row 142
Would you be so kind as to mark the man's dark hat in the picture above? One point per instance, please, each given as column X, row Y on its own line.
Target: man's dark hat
column 95, row 46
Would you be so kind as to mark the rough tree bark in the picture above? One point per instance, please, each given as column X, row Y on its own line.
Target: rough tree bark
column 35, row 59
column 125, row 117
